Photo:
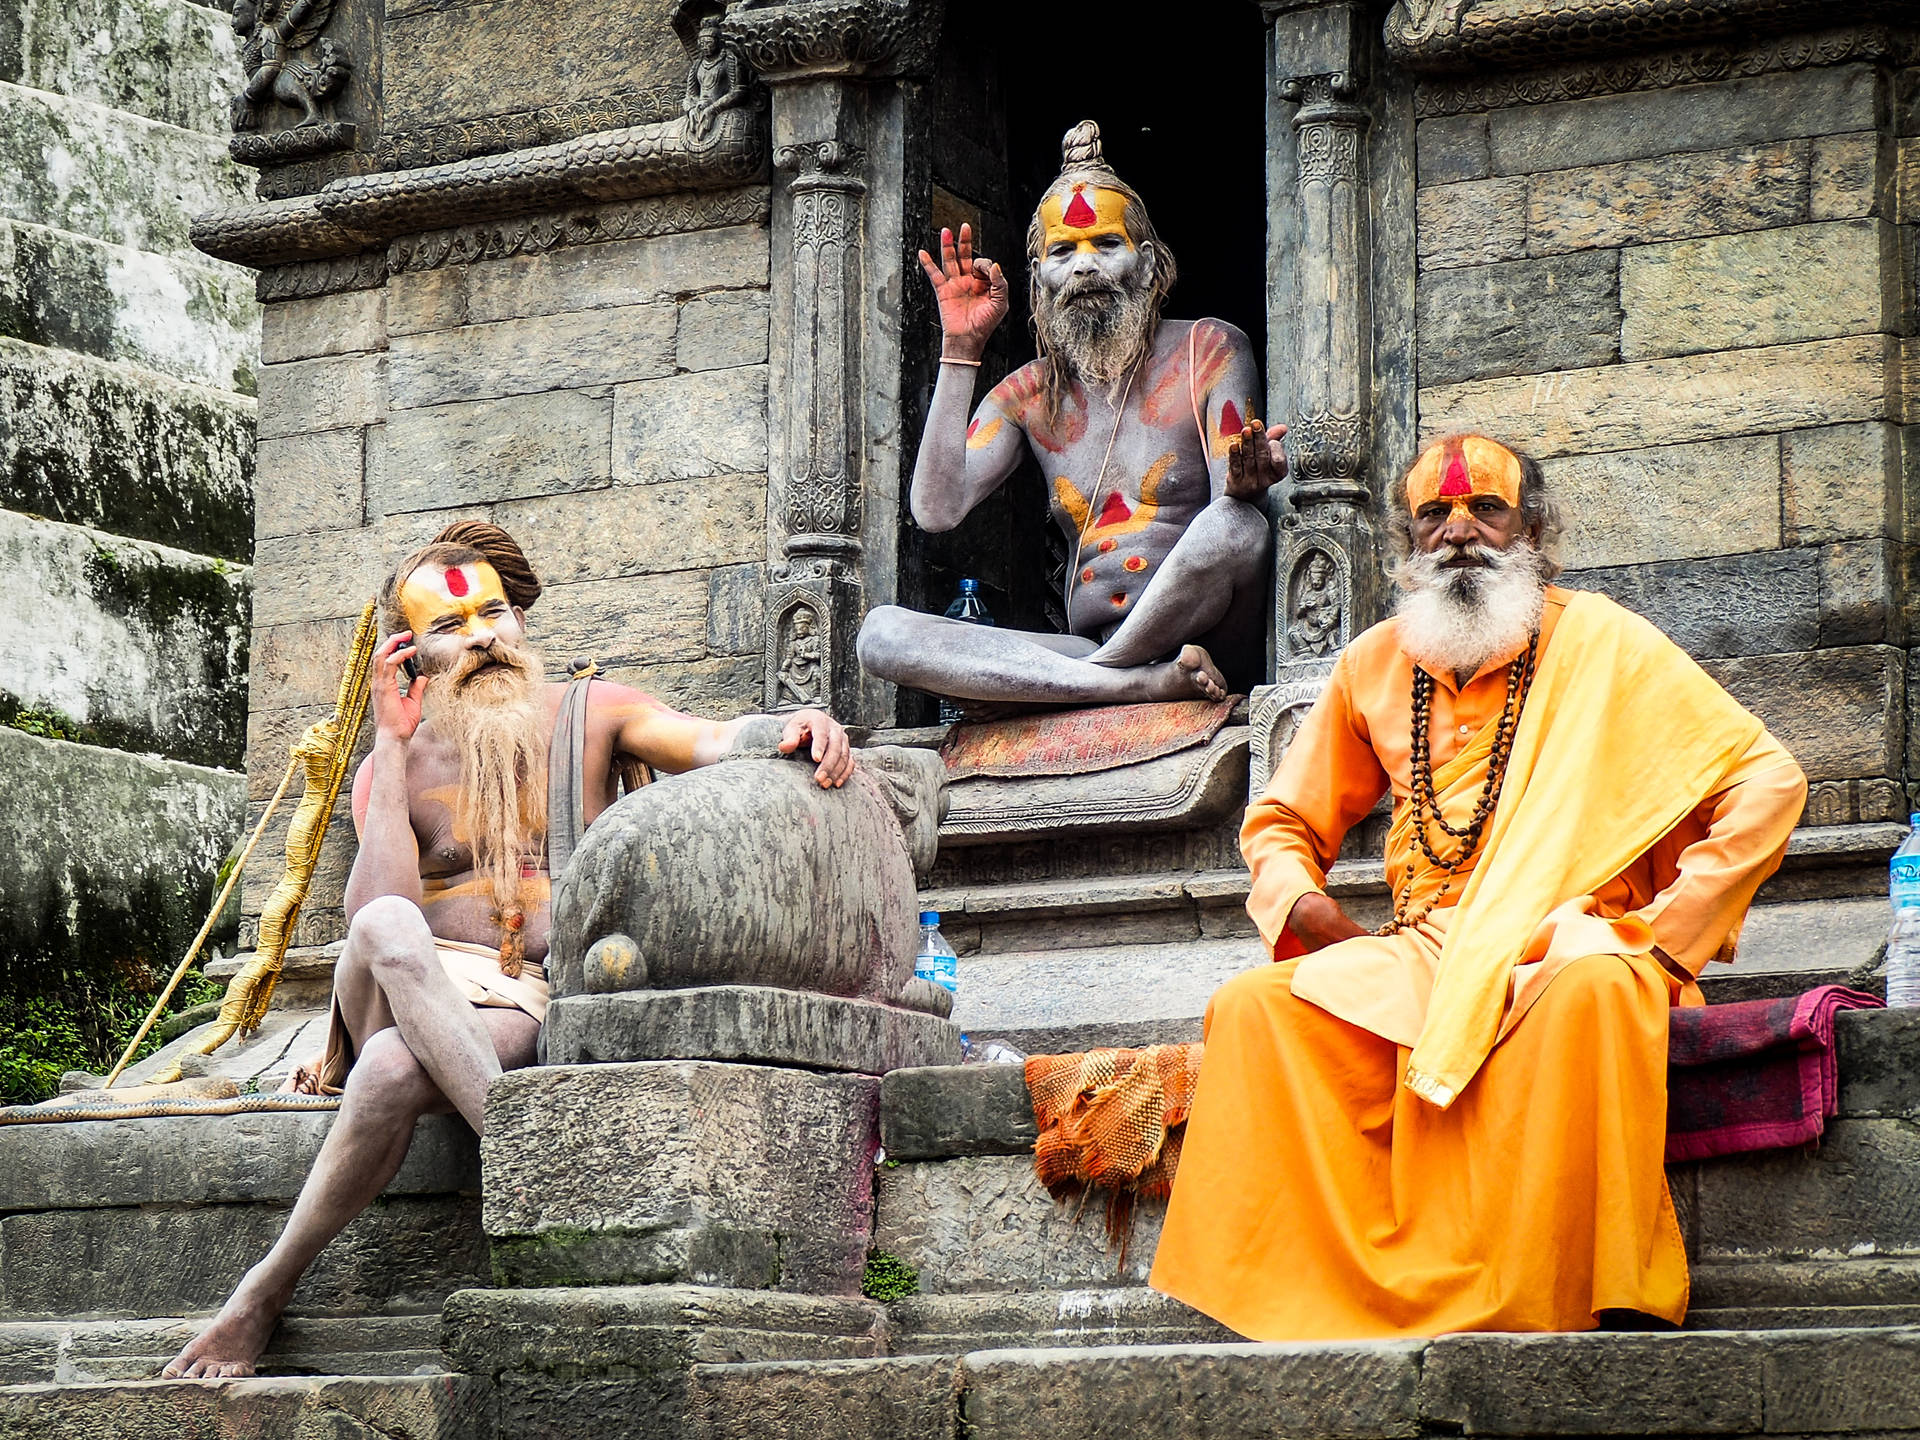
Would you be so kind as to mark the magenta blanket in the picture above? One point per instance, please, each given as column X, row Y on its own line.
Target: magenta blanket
column 1757, row 1075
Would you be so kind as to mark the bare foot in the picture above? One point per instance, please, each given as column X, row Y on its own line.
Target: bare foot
column 229, row 1347
column 1199, row 674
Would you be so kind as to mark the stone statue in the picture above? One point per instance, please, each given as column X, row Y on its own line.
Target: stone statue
column 1316, row 609
column 717, row 80
column 800, row 670
column 274, row 33
column 1145, row 430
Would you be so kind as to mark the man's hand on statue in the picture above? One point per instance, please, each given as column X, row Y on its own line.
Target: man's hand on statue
column 831, row 747
column 1318, row 921
column 1255, row 461
column 396, row 716
column 971, row 292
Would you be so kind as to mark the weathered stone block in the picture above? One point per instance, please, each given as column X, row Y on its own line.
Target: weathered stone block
column 1767, row 287
column 1637, row 202
column 720, row 688
column 749, row 1024
column 118, row 177
column 1852, row 1194
column 624, row 530
column 98, row 444
column 736, row 607
column 521, row 357
column 1840, row 712
column 206, row 1159
column 1627, row 506
column 1759, row 604
column 340, row 324
column 330, row 574
column 722, row 330
column 1594, row 1384
column 335, row 392
column 943, row 1111
column 618, row 273
column 304, row 483
column 1451, row 148
column 985, row 1223
column 1879, row 1062
column 1136, row 984
column 476, row 451
column 908, row 1398
column 1839, row 482
column 1840, row 1380
column 1518, row 317
column 184, row 316
column 405, row 1252
column 1859, row 594
column 1663, row 402
column 1474, row 222
column 956, row 1324
column 711, row 422
column 1849, row 176
column 169, row 62
column 149, row 653
column 125, row 878
column 413, row 1407
column 1224, row 1392
column 598, row 618
column 1635, row 124
column 671, row 1171
column 421, row 300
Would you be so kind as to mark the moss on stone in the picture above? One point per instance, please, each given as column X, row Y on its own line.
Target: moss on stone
column 888, row 1277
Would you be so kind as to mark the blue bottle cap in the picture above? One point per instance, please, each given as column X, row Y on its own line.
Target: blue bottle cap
column 969, row 587
column 929, row 917
column 1914, row 819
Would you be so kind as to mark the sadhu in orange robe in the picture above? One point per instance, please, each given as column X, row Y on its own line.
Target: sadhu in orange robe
column 1461, row 1126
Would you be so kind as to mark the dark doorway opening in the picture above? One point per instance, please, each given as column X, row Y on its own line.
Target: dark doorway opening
column 1180, row 101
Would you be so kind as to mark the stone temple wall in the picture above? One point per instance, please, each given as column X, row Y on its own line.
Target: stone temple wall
column 127, row 371
column 1694, row 305
column 604, row 401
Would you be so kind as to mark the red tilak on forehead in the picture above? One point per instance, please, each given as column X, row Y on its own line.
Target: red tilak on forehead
column 1080, row 214
column 456, row 581
column 1457, row 482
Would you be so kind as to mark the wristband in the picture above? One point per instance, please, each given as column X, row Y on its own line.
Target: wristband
column 951, row 360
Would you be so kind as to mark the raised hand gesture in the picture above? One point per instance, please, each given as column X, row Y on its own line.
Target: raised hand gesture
column 1255, row 461
column 972, row 294
column 396, row 715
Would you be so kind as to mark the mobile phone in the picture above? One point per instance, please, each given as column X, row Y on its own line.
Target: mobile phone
column 410, row 668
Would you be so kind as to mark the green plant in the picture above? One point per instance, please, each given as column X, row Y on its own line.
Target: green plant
column 44, row 1036
column 888, row 1277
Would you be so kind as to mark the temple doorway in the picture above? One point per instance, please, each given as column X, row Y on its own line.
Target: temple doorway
column 1182, row 113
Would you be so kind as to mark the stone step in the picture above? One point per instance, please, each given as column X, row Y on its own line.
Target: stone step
column 160, row 1217
column 1786, row 1382
column 1831, row 1225
column 85, row 1352
column 126, row 450
column 427, row 1407
column 188, row 317
column 168, row 60
column 150, row 653
column 81, row 166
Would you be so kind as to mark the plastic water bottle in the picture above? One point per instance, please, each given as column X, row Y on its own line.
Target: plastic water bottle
column 967, row 606
column 993, row 1052
column 1903, row 944
column 936, row 961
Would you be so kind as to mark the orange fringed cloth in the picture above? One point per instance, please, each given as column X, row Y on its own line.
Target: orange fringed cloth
column 1112, row 1120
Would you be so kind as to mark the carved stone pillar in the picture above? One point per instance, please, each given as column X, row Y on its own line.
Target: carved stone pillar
column 834, row 386
column 1327, row 568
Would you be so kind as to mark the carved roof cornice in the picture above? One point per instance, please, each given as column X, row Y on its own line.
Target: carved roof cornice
column 358, row 212
column 868, row 38
column 1443, row 35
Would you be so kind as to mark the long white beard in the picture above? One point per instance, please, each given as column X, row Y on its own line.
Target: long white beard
column 1453, row 621
column 1098, row 339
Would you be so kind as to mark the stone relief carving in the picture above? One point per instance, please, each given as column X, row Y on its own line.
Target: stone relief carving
column 1458, row 34
column 1316, row 605
column 1854, row 802
column 536, row 234
column 718, row 80
column 290, row 62
column 865, row 37
column 549, row 125
column 1275, row 715
column 802, row 662
column 1433, row 98
column 305, row 279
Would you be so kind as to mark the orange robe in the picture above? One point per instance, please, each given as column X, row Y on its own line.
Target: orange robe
column 1319, row 1195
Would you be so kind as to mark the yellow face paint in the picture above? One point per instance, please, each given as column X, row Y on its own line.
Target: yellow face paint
column 1083, row 215
column 1460, row 469
column 434, row 593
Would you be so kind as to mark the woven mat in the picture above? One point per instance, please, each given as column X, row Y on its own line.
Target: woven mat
column 1081, row 742
column 94, row 1105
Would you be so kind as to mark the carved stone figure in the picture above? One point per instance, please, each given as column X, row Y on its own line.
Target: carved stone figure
column 1145, row 428
column 720, row 877
column 800, row 670
column 286, row 58
column 717, row 80
column 1315, row 625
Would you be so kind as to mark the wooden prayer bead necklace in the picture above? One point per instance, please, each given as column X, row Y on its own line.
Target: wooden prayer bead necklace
column 1426, row 802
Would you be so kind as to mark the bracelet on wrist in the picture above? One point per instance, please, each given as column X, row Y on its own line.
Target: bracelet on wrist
column 956, row 360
